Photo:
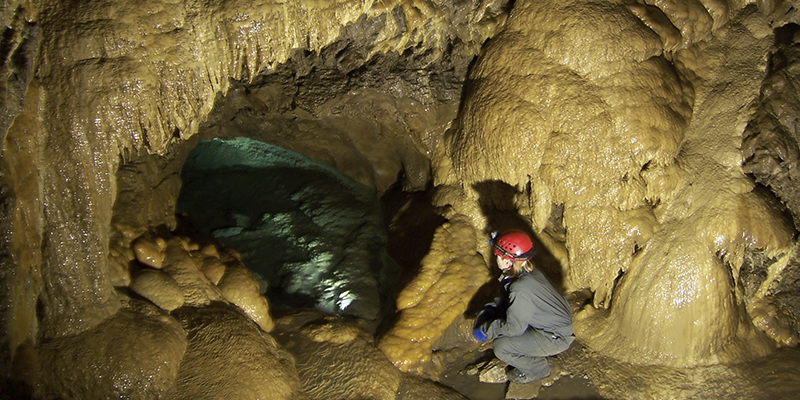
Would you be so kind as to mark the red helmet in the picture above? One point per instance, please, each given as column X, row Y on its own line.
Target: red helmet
column 513, row 245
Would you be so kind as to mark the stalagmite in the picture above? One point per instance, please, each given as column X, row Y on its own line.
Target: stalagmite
column 186, row 274
column 141, row 340
column 240, row 288
column 213, row 268
column 119, row 266
column 150, row 252
column 451, row 274
column 225, row 343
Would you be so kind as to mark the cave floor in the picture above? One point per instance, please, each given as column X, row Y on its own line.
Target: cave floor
column 566, row 387
column 581, row 374
column 562, row 384
column 332, row 354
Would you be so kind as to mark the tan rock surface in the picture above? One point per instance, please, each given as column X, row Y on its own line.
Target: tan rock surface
column 451, row 273
column 324, row 347
column 627, row 135
column 135, row 354
column 158, row 287
column 239, row 287
column 642, row 149
column 228, row 356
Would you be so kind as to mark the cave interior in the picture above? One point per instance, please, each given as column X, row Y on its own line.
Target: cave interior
column 291, row 200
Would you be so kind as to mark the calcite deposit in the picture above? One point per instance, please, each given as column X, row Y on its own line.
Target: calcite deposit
column 175, row 271
column 641, row 144
column 651, row 147
column 325, row 346
column 450, row 274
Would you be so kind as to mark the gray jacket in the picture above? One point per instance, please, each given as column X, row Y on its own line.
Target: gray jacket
column 527, row 301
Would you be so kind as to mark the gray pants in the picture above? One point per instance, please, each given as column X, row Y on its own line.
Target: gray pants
column 528, row 352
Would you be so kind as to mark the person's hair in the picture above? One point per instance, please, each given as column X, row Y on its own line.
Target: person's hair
column 517, row 267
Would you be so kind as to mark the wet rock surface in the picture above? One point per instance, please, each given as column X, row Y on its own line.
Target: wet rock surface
column 136, row 354
column 228, row 355
column 651, row 147
column 337, row 358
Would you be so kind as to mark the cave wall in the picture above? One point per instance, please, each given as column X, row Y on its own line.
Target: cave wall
column 640, row 146
column 93, row 86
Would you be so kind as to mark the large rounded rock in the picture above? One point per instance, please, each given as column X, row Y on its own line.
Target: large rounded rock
column 230, row 357
column 135, row 354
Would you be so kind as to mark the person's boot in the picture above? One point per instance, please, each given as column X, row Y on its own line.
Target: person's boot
column 516, row 376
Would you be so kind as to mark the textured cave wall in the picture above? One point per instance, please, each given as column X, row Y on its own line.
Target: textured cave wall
column 770, row 143
column 20, row 259
column 639, row 143
column 771, row 147
column 314, row 237
column 94, row 86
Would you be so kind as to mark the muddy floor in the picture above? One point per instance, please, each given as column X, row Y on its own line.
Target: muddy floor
column 336, row 359
column 562, row 384
column 581, row 374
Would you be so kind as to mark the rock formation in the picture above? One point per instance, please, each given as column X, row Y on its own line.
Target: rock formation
column 639, row 146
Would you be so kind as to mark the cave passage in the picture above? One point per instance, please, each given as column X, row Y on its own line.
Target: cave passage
column 313, row 237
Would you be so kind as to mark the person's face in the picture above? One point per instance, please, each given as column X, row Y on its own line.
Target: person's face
column 504, row 264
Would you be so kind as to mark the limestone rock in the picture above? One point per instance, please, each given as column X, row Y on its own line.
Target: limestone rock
column 119, row 267
column 134, row 354
column 150, row 251
column 158, row 287
column 213, row 269
column 240, row 288
column 774, row 323
column 414, row 387
column 210, row 250
column 182, row 267
column 655, row 209
column 323, row 347
column 492, row 371
column 230, row 357
column 451, row 274
column 523, row 392
column 769, row 141
column 632, row 152
column 317, row 242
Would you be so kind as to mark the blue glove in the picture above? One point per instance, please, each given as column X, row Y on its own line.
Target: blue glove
column 478, row 334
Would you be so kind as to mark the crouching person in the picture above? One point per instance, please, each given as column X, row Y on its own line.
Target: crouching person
column 530, row 320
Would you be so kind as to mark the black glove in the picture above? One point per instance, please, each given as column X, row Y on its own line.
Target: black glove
column 488, row 314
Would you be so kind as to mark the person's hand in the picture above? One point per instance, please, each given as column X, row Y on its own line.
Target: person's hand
column 489, row 313
column 478, row 334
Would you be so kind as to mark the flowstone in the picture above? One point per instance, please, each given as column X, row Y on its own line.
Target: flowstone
column 639, row 145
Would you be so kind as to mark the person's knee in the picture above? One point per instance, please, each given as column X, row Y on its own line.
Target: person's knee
column 502, row 348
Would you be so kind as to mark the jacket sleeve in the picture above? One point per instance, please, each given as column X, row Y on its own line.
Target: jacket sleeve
column 491, row 311
column 520, row 312
column 488, row 314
